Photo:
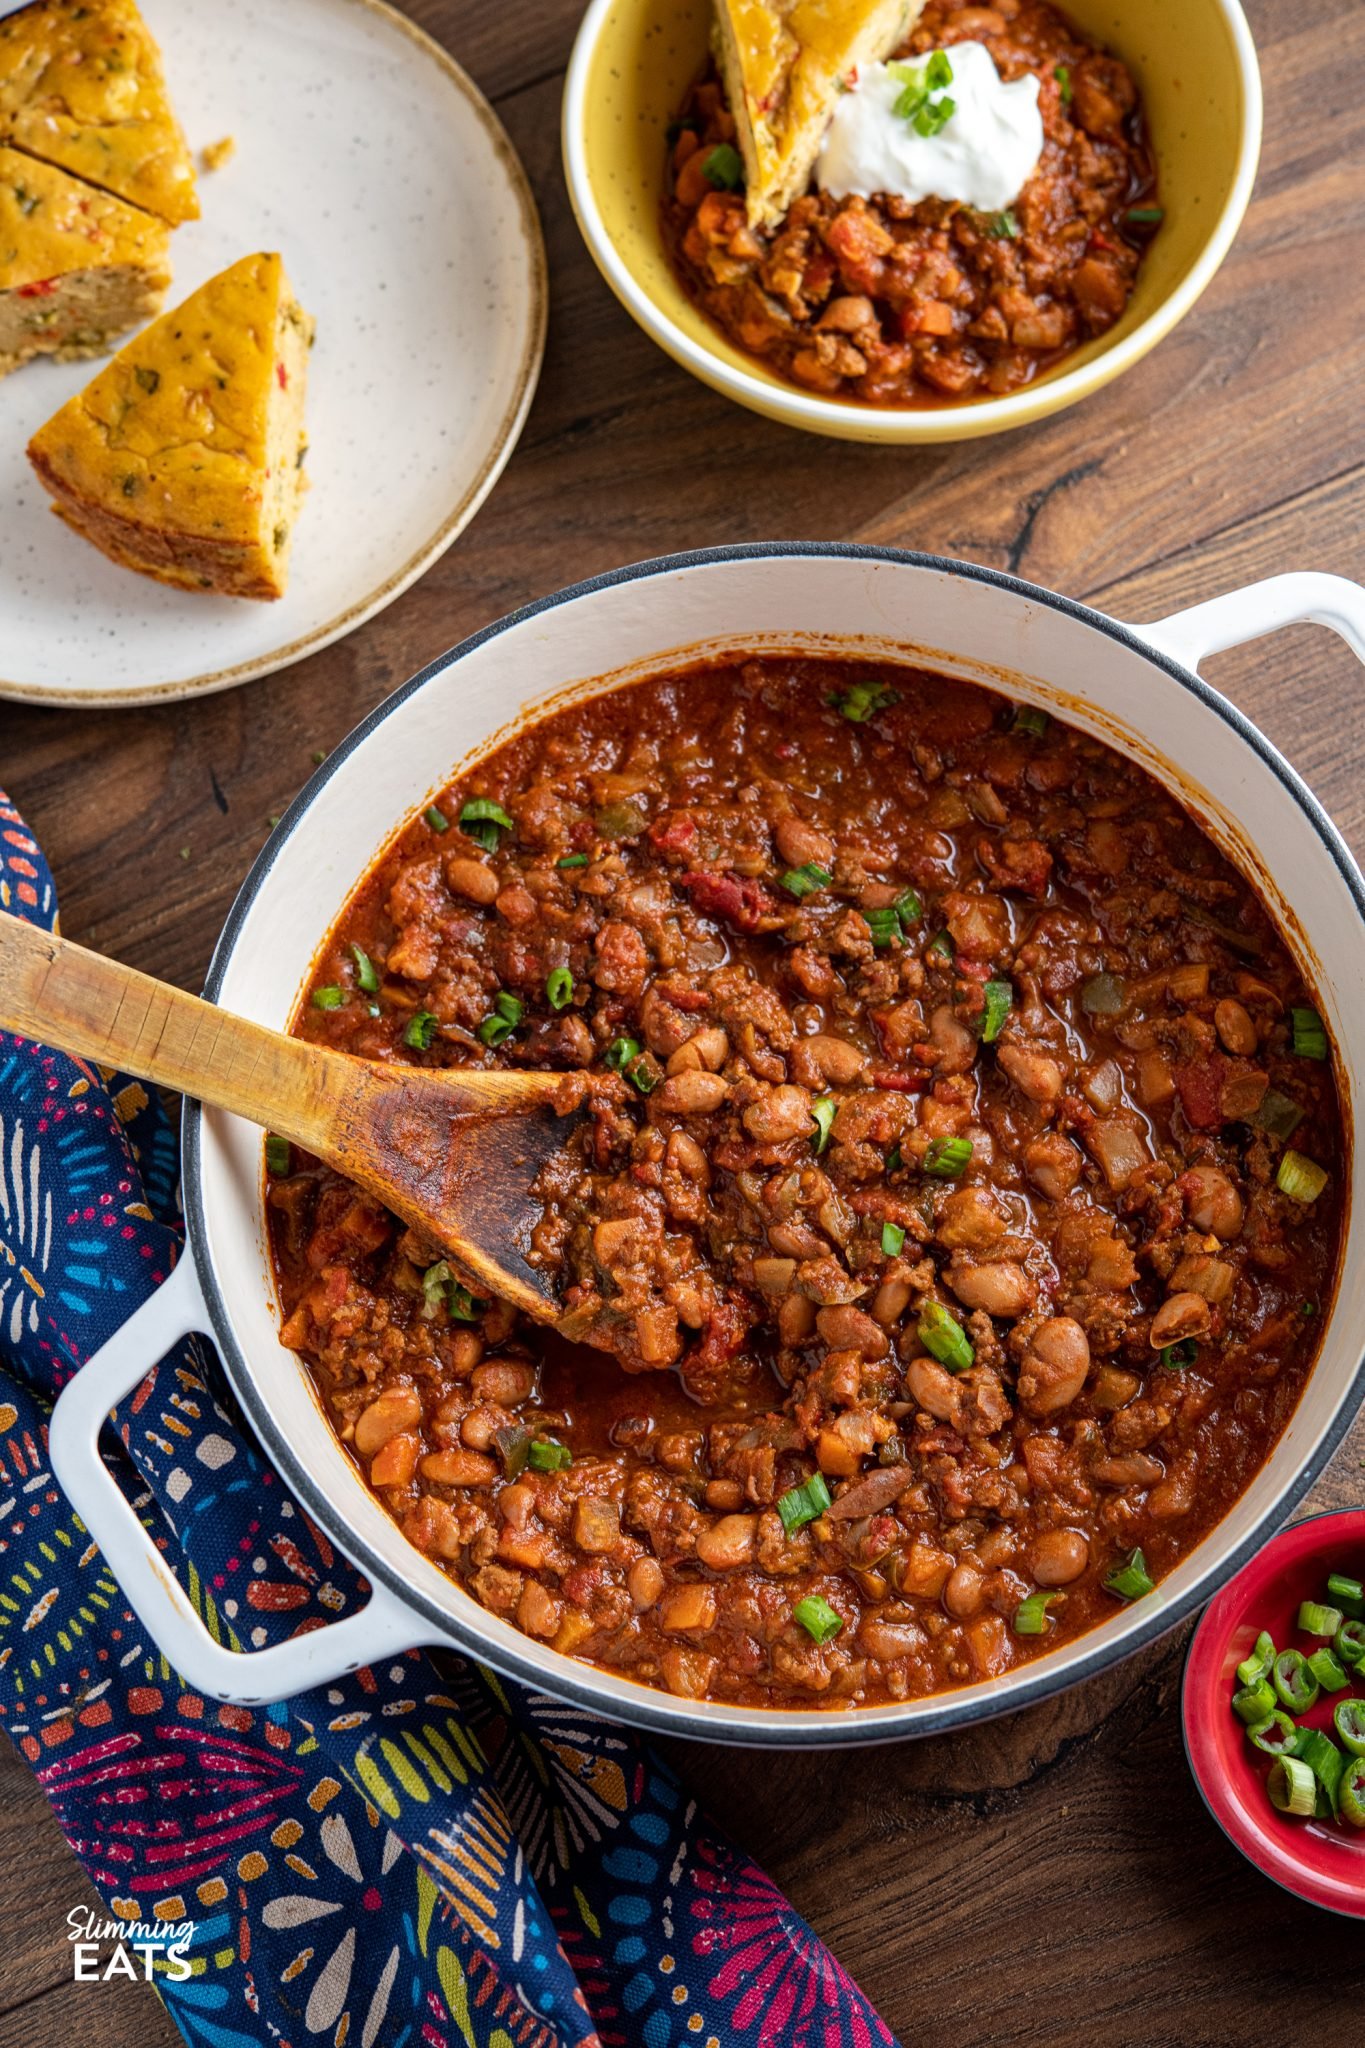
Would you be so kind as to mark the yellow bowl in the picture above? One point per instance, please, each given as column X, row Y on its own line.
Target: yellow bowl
column 632, row 63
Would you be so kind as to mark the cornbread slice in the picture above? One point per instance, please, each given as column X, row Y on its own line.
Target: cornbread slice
column 182, row 458
column 81, row 86
column 76, row 267
column 783, row 62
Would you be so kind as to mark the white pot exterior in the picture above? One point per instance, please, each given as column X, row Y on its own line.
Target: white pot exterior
column 949, row 616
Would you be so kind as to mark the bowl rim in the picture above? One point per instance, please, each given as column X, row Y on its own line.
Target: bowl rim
column 1298, row 1881
column 905, row 424
column 575, row 1683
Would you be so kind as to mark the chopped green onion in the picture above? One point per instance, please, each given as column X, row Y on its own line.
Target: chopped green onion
column 421, row 1029
column 1030, row 718
column 1317, row 1620
column 559, row 988
column 508, row 1011
column 1347, row 1594
column 894, row 1161
column 441, row 1289
column 938, row 72
column 823, row 1109
column 1323, row 1759
column 547, row 1454
column 1145, row 216
column 723, row 167
column 947, row 1158
column 278, row 1155
column 329, row 998
column 1279, row 1114
column 1275, row 1735
column 481, row 820
column 1294, row 1683
column 999, row 999
column 1350, row 1642
column 1031, row 1616
column 944, row 1338
column 1062, row 74
column 817, row 1618
column 805, row 1503
column 436, row 818
column 864, row 701
column 1254, row 1703
column 1004, row 227
column 1310, row 1034
column 572, row 860
column 1104, row 995
column 1327, row 1671
column 1291, row 1786
column 365, row 975
column 1299, row 1177
column 942, row 945
column 884, row 926
column 908, row 907
column 893, row 1239
column 1130, row 1581
column 1348, row 1718
column 1178, row 1357
column 620, row 1053
column 1351, row 1792
column 805, row 880
column 1258, row 1664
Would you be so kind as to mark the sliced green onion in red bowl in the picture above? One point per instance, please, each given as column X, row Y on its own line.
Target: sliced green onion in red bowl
column 1297, row 1841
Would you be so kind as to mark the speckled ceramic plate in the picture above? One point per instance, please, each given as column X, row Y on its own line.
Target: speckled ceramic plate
column 366, row 157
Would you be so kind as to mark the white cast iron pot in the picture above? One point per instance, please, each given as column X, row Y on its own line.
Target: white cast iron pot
column 1136, row 687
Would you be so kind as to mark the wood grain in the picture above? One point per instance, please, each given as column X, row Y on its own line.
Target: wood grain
column 1053, row 1879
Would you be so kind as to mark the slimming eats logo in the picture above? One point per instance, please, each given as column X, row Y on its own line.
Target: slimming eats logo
column 140, row 1948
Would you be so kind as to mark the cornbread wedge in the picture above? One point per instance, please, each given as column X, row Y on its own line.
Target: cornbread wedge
column 77, row 268
column 81, row 86
column 783, row 62
column 182, row 458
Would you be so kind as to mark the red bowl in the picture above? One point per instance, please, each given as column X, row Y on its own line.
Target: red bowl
column 1321, row 1861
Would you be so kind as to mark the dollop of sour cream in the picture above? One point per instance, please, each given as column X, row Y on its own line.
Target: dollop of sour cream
column 984, row 153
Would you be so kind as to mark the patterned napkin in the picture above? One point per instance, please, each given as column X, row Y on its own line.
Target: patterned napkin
column 411, row 1856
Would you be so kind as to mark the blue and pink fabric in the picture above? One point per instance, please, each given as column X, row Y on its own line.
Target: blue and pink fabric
column 417, row 1856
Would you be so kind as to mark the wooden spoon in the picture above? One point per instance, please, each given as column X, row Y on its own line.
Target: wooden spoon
column 453, row 1151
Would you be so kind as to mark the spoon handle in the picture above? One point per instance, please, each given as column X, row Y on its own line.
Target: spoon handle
column 63, row 995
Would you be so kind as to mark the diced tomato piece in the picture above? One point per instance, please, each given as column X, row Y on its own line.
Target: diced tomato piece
column 675, row 833
column 41, row 288
column 1200, row 1087
column 738, row 899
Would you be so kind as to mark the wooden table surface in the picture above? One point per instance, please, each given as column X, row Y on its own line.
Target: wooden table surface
column 1051, row 1879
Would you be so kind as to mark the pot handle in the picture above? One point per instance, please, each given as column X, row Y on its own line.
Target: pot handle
column 383, row 1628
column 1241, row 615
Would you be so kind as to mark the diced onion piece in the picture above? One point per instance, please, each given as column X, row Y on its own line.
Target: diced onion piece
column 1104, row 995
column 1301, row 1178
column 1292, row 1786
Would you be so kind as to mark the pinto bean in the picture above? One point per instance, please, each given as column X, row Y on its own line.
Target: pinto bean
column 396, row 1409
column 777, row 1115
column 687, row 1673
column 694, row 1093
column 1057, row 1556
column 1033, row 1073
column 1232, row 1022
column 459, row 1468
column 1180, row 1316
column 845, row 1328
column 999, row 1286
column 645, row 1583
column 1053, row 1164
column 508, row 1381
column 538, row 1612
column 1054, row 1367
column 889, row 1640
column 836, row 1059
column 395, row 1464
column 951, row 1040
column 728, row 1543
column 472, row 879
column 798, row 842
column 965, row 1593
column 934, row 1388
